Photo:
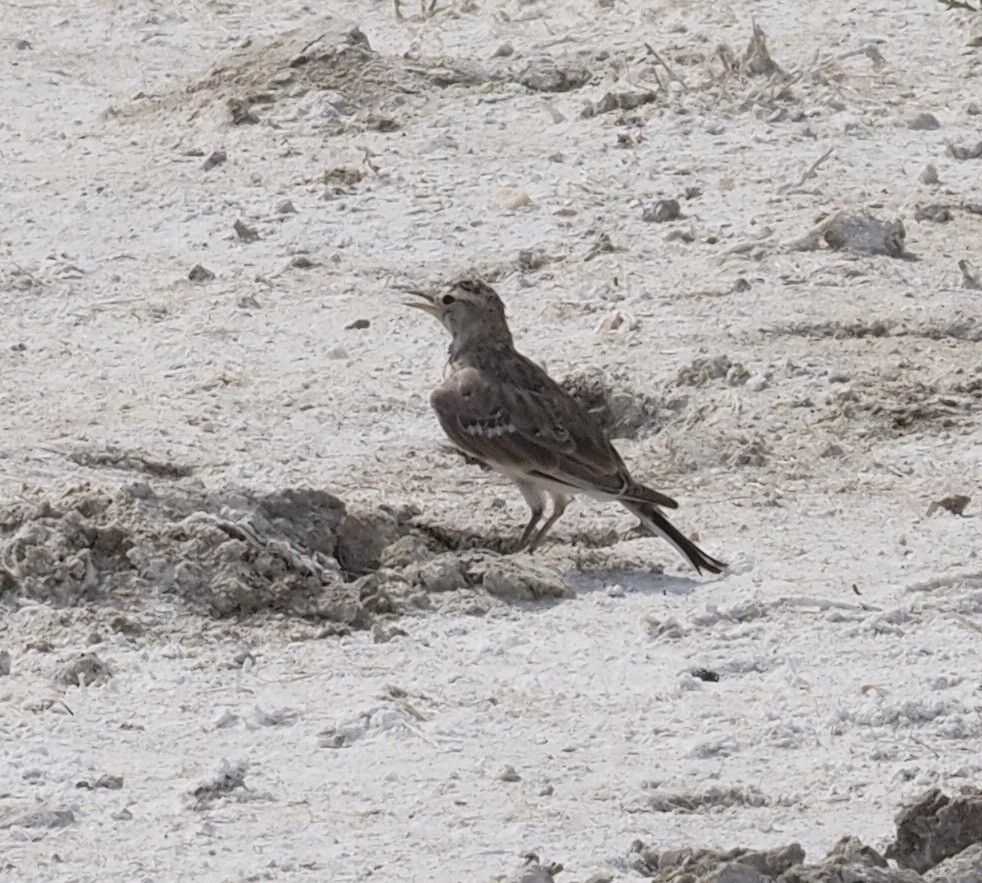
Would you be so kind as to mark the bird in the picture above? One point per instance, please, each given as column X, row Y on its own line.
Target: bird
column 502, row 409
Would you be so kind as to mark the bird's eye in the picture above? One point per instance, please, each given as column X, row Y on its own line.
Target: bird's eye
column 448, row 299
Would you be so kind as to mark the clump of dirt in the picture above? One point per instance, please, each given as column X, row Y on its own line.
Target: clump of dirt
column 622, row 411
column 837, row 330
column 938, row 839
column 898, row 408
column 705, row 370
column 235, row 553
column 958, row 327
column 473, row 578
column 230, row 554
column 936, row 827
column 696, row 865
column 857, row 232
column 714, row 799
column 328, row 53
column 693, row 451
column 333, row 57
column 83, row 669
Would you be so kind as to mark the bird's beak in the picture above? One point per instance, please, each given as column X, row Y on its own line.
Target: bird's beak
column 426, row 302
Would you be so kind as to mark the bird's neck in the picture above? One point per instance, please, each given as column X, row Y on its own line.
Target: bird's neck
column 474, row 348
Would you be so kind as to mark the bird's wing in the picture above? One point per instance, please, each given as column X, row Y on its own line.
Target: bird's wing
column 519, row 420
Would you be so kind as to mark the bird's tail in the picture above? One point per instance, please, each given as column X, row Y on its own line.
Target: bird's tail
column 656, row 523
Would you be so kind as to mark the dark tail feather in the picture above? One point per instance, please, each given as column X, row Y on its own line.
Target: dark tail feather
column 658, row 524
column 640, row 494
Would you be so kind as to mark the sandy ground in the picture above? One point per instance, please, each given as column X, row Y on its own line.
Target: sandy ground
column 806, row 405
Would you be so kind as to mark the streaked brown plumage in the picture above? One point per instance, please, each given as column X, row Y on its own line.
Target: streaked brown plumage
column 503, row 409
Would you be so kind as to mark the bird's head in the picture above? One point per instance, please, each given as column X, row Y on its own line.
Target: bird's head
column 468, row 308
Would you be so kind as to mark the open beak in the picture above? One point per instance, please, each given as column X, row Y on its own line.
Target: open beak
column 426, row 302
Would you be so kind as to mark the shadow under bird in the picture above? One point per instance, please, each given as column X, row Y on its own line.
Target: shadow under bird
column 504, row 410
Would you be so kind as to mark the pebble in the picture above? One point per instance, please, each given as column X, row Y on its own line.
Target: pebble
column 923, row 122
column 661, row 211
column 507, row 774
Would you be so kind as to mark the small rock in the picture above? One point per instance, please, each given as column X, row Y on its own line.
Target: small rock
column 965, row 151
column 955, row 504
column 362, row 536
column 512, row 579
column 857, row 232
column 276, row 717
column 216, row 158
column 248, row 302
column 444, row 573
column 227, row 778
column 285, row 208
column 200, row 274
column 342, row 180
column 225, row 720
column 533, row 872
column 963, row 867
column 507, row 774
column 4, row 663
column 705, row 674
column 704, row 369
column 38, row 818
column 929, row 175
column 302, row 262
column 83, row 670
column 935, row 827
column 242, row 658
column 111, row 783
column 513, row 198
column 617, row 321
column 382, row 634
column 923, row 122
column 661, row 211
column 624, row 100
column 126, row 626
column 244, row 231
column 241, row 113
column 602, row 244
column 505, row 50
column 543, row 75
column 358, row 325
column 970, row 278
column 407, row 550
column 935, row 213
column 378, row 123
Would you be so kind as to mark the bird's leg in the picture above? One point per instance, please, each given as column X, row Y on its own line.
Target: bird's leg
column 559, row 503
column 536, row 503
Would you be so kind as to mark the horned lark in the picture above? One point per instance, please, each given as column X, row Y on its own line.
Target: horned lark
column 504, row 410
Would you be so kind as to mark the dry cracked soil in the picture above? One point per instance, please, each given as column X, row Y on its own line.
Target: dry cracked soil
column 259, row 622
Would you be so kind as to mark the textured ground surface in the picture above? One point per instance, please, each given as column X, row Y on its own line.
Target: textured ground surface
column 807, row 404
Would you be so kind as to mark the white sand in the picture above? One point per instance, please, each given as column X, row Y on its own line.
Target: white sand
column 847, row 636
